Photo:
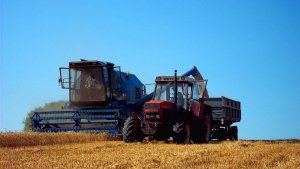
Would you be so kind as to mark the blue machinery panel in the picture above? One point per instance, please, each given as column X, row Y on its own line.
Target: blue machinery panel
column 104, row 120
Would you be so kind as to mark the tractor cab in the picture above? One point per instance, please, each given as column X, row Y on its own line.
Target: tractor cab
column 187, row 88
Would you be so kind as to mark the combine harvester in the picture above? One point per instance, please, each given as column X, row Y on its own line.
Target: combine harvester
column 181, row 108
column 100, row 99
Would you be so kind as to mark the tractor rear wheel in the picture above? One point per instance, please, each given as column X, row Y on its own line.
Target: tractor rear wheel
column 132, row 130
column 205, row 129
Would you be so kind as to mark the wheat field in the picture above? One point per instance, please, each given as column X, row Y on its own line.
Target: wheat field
column 82, row 150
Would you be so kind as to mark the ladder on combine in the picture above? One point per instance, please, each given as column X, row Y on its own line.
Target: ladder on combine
column 103, row 120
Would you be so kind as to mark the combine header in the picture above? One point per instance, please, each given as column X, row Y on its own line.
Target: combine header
column 100, row 99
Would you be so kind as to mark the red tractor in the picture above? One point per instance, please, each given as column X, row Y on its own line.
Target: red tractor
column 180, row 108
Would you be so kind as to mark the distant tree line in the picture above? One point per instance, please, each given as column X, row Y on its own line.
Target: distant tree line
column 52, row 106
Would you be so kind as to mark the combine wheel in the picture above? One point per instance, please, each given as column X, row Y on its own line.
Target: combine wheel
column 132, row 130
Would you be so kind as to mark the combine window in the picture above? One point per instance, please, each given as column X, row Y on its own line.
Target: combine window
column 87, row 85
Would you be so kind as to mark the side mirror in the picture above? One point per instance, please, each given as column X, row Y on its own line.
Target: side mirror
column 144, row 90
column 59, row 81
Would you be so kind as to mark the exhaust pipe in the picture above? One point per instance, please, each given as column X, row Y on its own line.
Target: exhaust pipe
column 175, row 89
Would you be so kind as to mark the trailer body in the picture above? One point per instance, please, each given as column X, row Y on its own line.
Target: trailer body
column 224, row 109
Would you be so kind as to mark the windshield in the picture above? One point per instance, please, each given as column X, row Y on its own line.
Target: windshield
column 165, row 91
column 87, row 84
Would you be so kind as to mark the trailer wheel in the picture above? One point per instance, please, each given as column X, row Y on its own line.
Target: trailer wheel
column 233, row 133
column 132, row 130
column 222, row 134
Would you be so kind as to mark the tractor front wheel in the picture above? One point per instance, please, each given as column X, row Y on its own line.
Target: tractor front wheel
column 181, row 133
column 132, row 130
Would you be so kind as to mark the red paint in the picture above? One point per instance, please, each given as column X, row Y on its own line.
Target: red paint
column 197, row 108
column 164, row 105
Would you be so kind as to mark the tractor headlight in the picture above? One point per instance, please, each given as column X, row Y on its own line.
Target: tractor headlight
column 152, row 116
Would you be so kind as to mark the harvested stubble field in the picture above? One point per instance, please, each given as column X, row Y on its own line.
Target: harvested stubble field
column 80, row 150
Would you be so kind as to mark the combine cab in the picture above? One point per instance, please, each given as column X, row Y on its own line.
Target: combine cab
column 100, row 99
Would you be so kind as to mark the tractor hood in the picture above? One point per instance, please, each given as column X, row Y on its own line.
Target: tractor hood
column 158, row 104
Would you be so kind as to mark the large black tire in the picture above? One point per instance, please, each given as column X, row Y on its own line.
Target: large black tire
column 132, row 130
column 205, row 130
column 222, row 134
column 178, row 133
column 181, row 132
column 233, row 133
column 202, row 132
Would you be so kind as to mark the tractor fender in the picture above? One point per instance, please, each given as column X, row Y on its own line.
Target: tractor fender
column 197, row 108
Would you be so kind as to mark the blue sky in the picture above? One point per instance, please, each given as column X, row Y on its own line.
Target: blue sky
column 248, row 51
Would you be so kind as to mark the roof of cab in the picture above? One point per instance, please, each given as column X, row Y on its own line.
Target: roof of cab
column 171, row 79
column 90, row 62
